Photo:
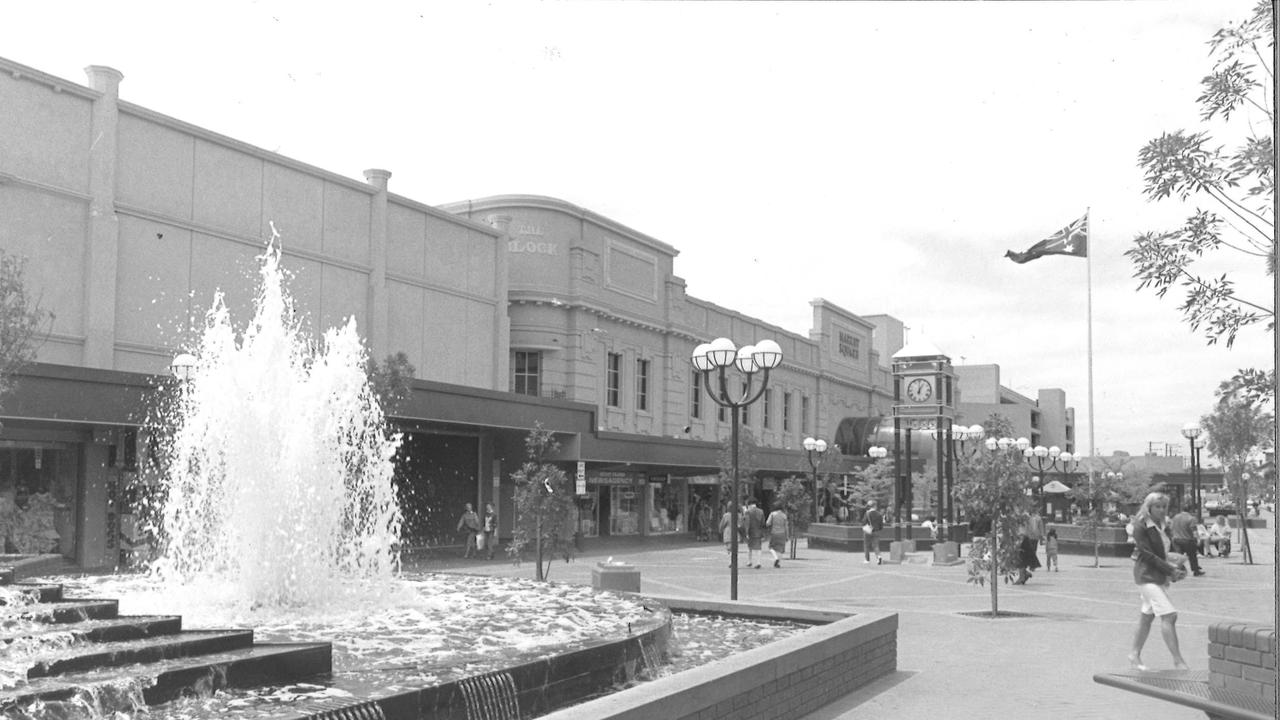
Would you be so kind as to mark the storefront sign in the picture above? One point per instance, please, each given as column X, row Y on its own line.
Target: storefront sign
column 703, row 480
column 605, row 477
column 530, row 246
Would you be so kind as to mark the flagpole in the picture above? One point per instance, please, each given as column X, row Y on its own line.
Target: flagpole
column 1088, row 283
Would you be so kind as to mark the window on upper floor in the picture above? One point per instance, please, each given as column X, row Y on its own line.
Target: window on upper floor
column 786, row 412
column 765, row 409
column 804, row 415
column 695, row 395
column 613, row 380
column 746, row 417
column 642, row 384
column 526, row 373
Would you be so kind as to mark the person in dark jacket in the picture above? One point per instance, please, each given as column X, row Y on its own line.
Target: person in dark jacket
column 1154, row 569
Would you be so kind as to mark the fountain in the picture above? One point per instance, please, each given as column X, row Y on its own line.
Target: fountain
column 280, row 471
column 277, row 510
column 278, row 513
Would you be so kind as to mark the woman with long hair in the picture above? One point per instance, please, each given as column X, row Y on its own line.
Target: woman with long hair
column 1153, row 572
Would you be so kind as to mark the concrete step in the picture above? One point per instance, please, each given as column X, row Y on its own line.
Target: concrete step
column 64, row 611
column 40, row 592
column 121, row 688
column 84, row 657
column 125, row 627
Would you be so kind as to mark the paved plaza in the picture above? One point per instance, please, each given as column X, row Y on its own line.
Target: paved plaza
column 1080, row 622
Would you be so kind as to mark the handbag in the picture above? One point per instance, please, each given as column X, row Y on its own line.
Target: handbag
column 867, row 528
column 479, row 541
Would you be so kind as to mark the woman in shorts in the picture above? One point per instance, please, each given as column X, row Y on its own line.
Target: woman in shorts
column 1153, row 572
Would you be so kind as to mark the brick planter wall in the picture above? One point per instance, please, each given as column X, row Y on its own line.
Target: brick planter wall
column 1242, row 658
column 788, row 678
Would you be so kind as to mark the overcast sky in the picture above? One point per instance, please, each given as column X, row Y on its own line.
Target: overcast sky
column 883, row 156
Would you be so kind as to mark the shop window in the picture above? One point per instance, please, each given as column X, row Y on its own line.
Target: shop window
column 624, row 515
column 37, row 498
column 666, row 510
column 613, row 380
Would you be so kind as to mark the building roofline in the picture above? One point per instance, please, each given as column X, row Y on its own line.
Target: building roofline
column 545, row 202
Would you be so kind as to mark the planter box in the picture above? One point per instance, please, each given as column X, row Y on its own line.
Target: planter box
column 848, row 538
column 1079, row 540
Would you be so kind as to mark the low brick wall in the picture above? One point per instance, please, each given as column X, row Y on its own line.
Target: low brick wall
column 789, row 678
column 1242, row 658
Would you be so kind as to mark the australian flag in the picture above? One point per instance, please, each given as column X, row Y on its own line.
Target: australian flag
column 1070, row 240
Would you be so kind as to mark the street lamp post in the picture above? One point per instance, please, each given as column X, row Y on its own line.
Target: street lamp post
column 1191, row 431
column 718, row 355
column 1055, row 455
column 812, row 446
column 182, row 365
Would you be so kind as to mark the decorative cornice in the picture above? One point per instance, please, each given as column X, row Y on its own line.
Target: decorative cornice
column 58, row 85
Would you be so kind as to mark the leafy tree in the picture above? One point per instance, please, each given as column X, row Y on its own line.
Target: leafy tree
column 992, row 485
column 390, row 380
column 1239, row 184
column 1238, row 430
column 797, row 502
column 544, row 504
column 20, row 320
column 875, row 482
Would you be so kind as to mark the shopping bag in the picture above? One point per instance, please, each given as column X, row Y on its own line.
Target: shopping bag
column 479, row 541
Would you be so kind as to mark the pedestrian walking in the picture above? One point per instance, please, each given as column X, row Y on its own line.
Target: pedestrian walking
column 470, row 523
column 753, row 526
column 1028, row 562
column 490, row 528
column 1154, row 572
column 1051, row 550
column 1035, row 533
column 1182, row 530
column 776, row 523
column 726, row 532
column 872, row 524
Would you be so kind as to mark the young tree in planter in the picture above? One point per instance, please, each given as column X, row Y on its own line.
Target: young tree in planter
column 993, row 484
column 1113, row 482
column 875, row 482
column 544, row 504
column 797, row 503
column 1238, row 429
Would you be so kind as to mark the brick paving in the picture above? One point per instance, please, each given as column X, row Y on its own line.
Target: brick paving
column 1078, row 622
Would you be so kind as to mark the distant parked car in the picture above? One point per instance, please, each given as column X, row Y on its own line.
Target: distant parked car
column 1219, row 507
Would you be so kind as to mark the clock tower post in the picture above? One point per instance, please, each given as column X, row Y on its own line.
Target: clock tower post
column 924, row 392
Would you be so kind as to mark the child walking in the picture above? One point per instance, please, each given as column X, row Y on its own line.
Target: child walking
column 1051, row 551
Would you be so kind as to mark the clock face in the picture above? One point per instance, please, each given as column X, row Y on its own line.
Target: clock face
column 919, row 390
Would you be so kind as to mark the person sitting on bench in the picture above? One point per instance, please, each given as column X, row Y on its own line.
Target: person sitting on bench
column 1220, row 536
